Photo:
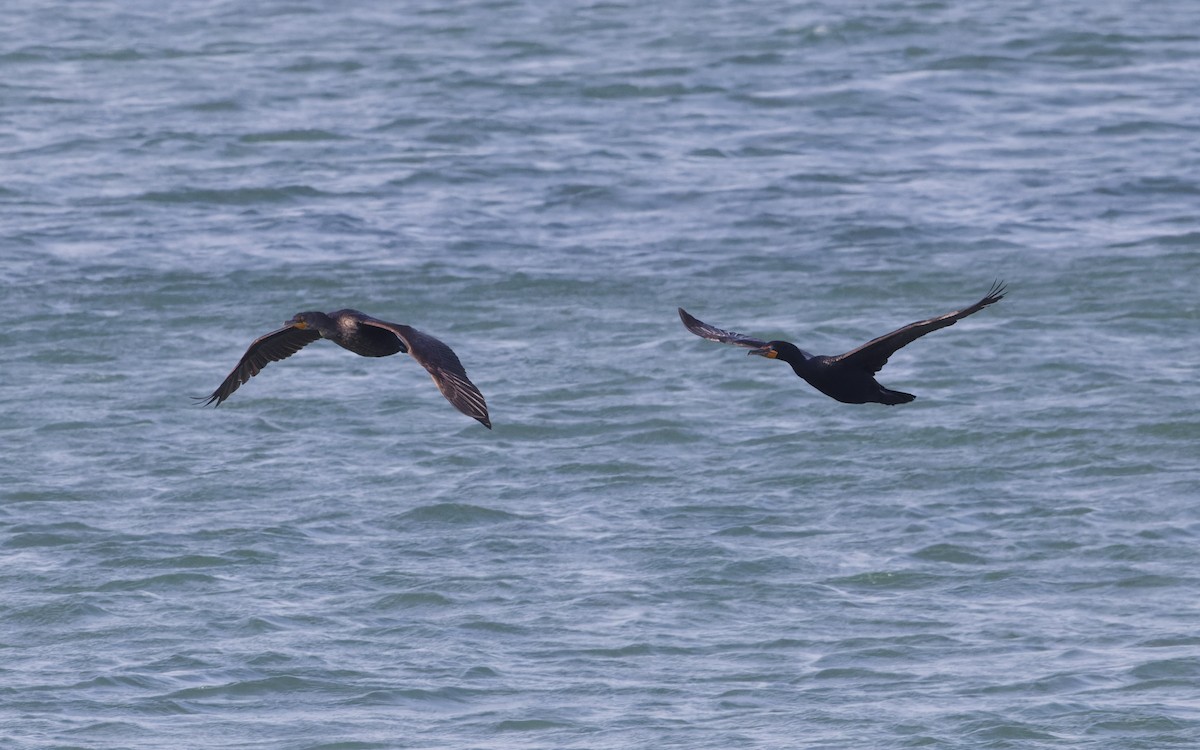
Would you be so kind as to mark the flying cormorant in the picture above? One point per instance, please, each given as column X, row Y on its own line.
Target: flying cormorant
column 849, row 377
column 367, row 337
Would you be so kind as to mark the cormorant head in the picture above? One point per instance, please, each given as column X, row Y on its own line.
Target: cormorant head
column 306, row 320
column 784, row 350
column 298, row 321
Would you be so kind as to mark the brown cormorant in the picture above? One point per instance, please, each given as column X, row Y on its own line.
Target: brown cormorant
column 367, row 337
column 849, row 377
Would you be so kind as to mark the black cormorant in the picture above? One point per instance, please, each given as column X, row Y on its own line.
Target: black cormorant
column 849, row 377
column 365, row 336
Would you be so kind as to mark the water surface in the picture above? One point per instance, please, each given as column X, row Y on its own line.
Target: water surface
column 663, row 543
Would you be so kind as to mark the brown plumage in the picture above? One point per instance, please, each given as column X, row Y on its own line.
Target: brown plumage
column 367, row 337
column 849, row 377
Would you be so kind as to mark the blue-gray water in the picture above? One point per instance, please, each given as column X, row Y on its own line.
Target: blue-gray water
column 663, row 543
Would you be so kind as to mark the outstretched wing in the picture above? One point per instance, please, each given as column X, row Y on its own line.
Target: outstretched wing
column 442, row 363
column 712, row 333
column 873, row 355
column 272, row 347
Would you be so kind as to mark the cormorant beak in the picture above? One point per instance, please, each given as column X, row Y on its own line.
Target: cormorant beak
column 298, row 324
column 767, row 351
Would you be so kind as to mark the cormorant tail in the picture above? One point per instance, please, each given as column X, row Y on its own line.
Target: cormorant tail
column 891, row 398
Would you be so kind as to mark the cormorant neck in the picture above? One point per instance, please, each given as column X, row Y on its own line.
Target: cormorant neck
column 790, row 353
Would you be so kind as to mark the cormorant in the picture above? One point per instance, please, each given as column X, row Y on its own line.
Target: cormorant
column 367, row 337
column 849, row 377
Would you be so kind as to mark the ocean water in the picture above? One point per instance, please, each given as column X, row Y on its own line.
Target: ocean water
column 663, row 543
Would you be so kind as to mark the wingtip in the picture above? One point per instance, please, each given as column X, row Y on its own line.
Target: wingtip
column 689, row 321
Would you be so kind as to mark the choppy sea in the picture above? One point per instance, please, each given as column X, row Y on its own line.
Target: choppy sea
column 663, row 543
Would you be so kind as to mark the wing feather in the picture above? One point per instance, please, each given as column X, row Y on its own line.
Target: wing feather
column 873, row 355
column 271, row 347
column 443, row 366
column 712, row 333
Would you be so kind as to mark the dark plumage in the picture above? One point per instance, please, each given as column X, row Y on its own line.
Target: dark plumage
column 367, row 337
column 849, row 377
